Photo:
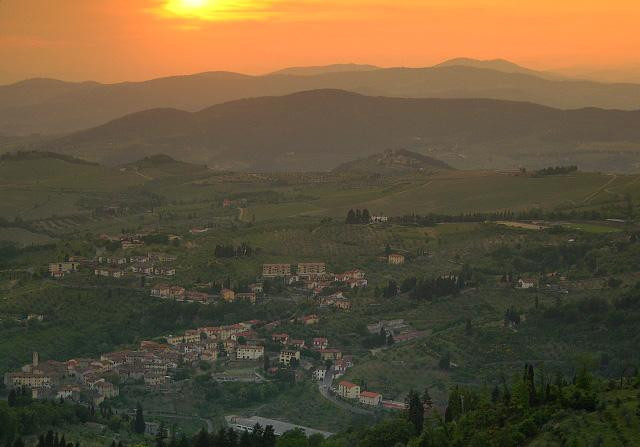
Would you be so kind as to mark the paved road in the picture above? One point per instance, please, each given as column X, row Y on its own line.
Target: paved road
column 324, row 387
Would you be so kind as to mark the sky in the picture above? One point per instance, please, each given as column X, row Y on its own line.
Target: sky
column 117, row 40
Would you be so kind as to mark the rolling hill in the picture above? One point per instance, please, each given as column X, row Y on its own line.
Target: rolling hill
column 391, row 161
column 55, row 107
column 319, row 130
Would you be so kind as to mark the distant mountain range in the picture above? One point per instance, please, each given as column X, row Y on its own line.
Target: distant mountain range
column 319, row 130
column 54, row 107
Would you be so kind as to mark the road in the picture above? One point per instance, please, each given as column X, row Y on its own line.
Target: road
column 324, row 387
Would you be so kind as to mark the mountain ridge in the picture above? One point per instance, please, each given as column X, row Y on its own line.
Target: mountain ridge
column 69, row 107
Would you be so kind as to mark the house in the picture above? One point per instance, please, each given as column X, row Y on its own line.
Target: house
column 395, row 259
column 108, row 272
column 228, row 295
column 319, row 374
column 256, row 288
column 310, row 319
column 197, row 297
column 164, row 271
column 311, row 268
column 330, row 354
column 283, row 339
column 320, row 343
column 350, row 275
column 287, row 355
column 526, row 283
column 209, row 355
column 370, row 398
column 250, row 297
column 59, row 269
column 379, row 219
column 348, row 390
column 247, row 352
column 276, row 270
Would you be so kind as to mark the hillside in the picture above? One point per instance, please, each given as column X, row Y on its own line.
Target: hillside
column 161, row 165
column 394, row 161
column 319, row 130
column 334, row 68
column 53, row 107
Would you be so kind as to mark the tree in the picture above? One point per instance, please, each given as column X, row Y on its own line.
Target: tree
column 266, row 363
column 427, row 401
column 445, row 361
column 269, row 437
column 468, row 329
column 202, row 439
column 415, row 411
column 351, row 217
column 366, row 217
column 138, row 423
column 162, row 434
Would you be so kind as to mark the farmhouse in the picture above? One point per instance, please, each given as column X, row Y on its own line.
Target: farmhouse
column 348, row 390
column 276, row 270
column 310, row 319
column 395, row 259
column 298, row 344
column 197, row 297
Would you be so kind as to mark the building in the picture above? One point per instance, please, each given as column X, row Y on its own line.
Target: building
column 287, row 355
column 197, row 297
column 59, row 269
column 370, row 398
column 26, row 379
column 241, row 424
column 249, row 296
column 395, row 259
column 320, row 343
column 228, row 295
column 312, row 268
column 319, row 374
column 246, row 352
column 298, row 344
column 330, row 354
column 348, row 390
column 526, row 283
column 106, row 389
column 276, row 270
column 310, row 319
column 283, row 339
column 379, row 219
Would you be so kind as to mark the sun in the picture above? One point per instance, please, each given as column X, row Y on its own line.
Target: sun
column 194, row 4
column 196, row 9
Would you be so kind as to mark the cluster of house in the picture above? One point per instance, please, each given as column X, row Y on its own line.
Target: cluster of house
column 291, row 351
column 314, row 276
column 151, row 264
column 81, row 380
column 91, row 380
column 351, row 391
column 178, row 293
column 337, row 300
column 398, row 329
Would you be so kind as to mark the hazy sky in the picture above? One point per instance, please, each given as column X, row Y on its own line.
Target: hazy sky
column 113, row 40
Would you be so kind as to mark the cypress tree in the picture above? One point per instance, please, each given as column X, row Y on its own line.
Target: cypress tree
column 269, row 437
column 138, row 423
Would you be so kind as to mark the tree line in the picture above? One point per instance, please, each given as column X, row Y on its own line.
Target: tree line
column 355, row 217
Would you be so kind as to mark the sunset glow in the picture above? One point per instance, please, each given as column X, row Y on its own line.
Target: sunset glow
column 148, row 38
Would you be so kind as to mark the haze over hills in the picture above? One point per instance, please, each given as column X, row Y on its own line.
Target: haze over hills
column 319, row 130
column 322, row 69
column 502, row 65
column 55, row 107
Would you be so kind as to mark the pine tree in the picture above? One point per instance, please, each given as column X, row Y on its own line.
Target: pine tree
column 13, row 398
column 245, row 439
column 495, row 394
column 351, row 217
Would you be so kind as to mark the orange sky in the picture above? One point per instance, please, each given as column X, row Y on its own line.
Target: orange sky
column 113, row 40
